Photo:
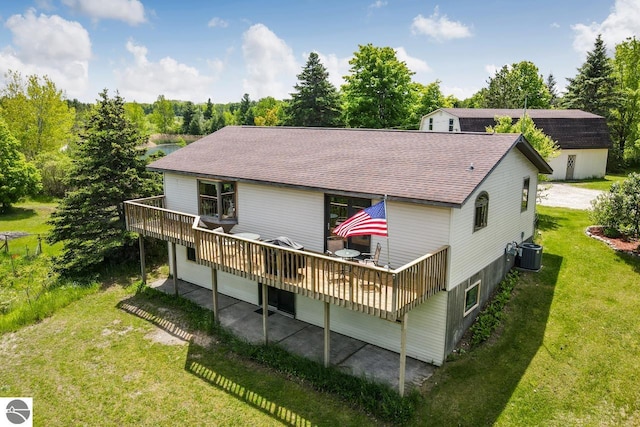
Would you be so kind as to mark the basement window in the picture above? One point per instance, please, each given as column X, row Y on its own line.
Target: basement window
column 471, row 297
column 191, row 254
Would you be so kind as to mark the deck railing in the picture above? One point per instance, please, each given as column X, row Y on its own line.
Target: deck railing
column 383, row 292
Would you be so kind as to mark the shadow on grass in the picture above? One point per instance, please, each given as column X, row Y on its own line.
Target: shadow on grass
column 210, row 362
column 18, row 214
column 475, row 388
column 548, row 222
column 631, row 260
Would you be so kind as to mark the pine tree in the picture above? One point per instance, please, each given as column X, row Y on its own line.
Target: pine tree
column 593, row 89
column 553, row 91
column 316, row 101
column 208, row 111
column 107, row 170
column 187, row 117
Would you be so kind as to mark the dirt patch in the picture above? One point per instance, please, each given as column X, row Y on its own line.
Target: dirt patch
column 622, row 244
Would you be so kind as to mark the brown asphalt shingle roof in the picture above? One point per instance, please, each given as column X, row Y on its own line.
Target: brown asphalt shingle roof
column 571, row 129
column 424, row 167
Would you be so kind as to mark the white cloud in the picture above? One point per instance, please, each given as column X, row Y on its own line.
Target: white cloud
column 491, row 69
column 439, row 28
column 129, row 11
column 622, row 22
column 144, row 80
column 49, row 45
column 218, row 22
column 271, row 66
column 377, row 4
column 460, row 93
column 414, row 64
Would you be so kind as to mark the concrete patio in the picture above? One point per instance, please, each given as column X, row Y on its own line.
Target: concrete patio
column 350, row 355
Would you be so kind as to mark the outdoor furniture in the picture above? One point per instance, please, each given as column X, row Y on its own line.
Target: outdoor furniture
column 347, row 254
column 372, row 258
column 334, row 245
column 291, row 262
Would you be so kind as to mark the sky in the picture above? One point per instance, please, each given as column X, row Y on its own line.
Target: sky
column 220, row 50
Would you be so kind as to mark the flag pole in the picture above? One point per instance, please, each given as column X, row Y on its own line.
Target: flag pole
column 387, row 218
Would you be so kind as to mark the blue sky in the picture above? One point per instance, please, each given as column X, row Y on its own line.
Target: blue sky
column 195, row 50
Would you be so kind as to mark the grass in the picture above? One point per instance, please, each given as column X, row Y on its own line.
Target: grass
column 569, row 351
column 115, row 358
column 604, row 184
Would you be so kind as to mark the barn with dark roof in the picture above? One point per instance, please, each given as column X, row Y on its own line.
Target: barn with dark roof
column 583, row 137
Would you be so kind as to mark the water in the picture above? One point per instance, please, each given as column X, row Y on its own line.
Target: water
column 165, row 148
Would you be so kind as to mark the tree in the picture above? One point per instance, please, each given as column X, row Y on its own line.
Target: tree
column 517, row 86
column 135, row 114
column 107, row 170
column 625, row 116
column 428, row 98
column 618, row 211
column 196, row 124
column 268, row 112
column 18, row 178
column 553, row 91
column 187, row 115
column 36, row 114
column 208, row 111
column 316, row 101
column 593, row 89
column 163, row 115
column 378, row 90
column 245, row 114
column 547, row 148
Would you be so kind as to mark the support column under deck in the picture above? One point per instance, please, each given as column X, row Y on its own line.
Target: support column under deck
column 265, row 312
column 175, row 268
column 327, row 334
column 403, row 353
column 143, row 269
column 214, row 289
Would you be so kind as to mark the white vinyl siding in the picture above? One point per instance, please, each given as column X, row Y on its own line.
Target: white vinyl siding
column 274, row 211
column 506, row 222
column 238, row 287
column 190, row 271
column 414, row 230
column 181, row 193
column 591, row 163
column 425, row 331
column 440, row 122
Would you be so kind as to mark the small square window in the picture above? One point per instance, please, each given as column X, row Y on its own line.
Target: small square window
column 525, row 195
column 191, row 254
column 471, row 297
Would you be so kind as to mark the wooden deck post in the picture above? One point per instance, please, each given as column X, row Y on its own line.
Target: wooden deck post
column 403, row 353
column 265, row 312
column 143, row 269
column 175, row 268
column 327, row 335
column 214, row 289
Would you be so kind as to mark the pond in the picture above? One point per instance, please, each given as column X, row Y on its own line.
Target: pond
column 165, row 148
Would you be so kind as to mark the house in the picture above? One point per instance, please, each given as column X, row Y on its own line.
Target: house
column 457, row 204
column 583, row 137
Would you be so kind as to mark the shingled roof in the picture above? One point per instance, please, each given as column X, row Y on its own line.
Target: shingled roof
column 425, row 167
column 571, row 129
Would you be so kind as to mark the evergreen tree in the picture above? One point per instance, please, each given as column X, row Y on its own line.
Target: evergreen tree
column 553, row 91
column 196, row 124
column 18, row 178
column 246, row 111
column 377, row 94
column 107, row 170
column 208, row 111
column 316, row 101
column 187, row 115
column 593, row 89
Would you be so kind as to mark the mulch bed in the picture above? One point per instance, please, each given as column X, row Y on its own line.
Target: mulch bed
column 622, row 244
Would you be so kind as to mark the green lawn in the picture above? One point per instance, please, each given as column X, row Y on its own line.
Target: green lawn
column 569, row 352
column 603, row 184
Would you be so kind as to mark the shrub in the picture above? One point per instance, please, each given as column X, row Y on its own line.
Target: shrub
column 490, row 317
column 618, row 211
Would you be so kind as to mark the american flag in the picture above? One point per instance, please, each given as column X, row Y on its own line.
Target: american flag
column 369, row 221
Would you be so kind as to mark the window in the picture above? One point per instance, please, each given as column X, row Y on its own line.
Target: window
column 430, row 123
column 471, row 297
column 191, row 254
column 525, row 195
column 450, row 125
column 482, row 210
column 217, row 199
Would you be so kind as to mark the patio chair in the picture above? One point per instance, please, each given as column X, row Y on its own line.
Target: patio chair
column 371, row 259
column 334, row 245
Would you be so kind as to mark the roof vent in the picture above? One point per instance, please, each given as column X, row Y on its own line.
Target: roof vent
column 470, row 168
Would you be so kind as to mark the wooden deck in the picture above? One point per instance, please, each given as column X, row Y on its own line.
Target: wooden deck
column 386, row 293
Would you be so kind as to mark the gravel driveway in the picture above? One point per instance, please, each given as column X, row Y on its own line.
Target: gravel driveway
column 567, row 196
